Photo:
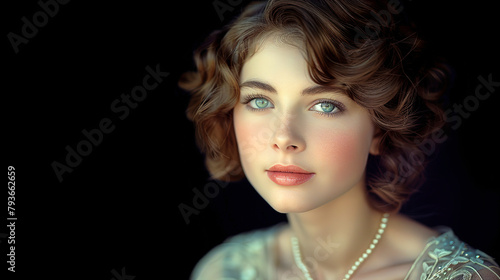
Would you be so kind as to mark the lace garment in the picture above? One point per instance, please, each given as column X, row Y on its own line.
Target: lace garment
column 249, row 256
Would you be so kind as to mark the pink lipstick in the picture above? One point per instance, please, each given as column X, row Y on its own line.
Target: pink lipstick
column 290, row 175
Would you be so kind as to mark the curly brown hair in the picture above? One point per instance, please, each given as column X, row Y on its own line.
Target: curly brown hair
column 363, row 47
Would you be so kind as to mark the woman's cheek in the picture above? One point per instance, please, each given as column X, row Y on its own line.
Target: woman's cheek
column 341, row 152
column 252, row 134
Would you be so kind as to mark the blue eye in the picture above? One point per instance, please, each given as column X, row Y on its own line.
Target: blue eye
column 326, row 107
column 260, row 103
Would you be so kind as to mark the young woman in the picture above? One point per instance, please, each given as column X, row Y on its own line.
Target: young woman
column 322, row 106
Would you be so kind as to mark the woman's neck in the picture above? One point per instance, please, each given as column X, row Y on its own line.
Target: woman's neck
column 333, row 236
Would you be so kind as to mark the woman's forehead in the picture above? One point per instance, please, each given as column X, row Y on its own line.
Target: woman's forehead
column 275, row 61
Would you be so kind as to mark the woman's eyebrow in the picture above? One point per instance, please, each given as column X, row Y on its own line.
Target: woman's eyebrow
column 316, row 89
column 259, row 85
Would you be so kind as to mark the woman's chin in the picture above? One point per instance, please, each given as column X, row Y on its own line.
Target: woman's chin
column 292, row 206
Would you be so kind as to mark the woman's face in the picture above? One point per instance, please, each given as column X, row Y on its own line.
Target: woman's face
column 301, row 145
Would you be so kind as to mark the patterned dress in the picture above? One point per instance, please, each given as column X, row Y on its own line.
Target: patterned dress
column 249, row 256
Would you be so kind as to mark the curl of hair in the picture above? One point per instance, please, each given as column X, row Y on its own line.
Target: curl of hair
column 362, row 47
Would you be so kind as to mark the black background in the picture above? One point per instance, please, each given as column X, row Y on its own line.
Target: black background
column 119, row 207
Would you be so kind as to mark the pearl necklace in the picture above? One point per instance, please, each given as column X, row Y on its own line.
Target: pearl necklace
column 305, row 270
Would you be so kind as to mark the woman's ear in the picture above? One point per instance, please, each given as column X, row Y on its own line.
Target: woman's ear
column 375, row 145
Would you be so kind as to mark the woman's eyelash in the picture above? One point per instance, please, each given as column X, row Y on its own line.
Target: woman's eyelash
column 334, row 102
column 251, row 97
column 339, row 106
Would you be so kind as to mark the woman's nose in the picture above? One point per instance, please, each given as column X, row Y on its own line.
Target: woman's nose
column 287, row 136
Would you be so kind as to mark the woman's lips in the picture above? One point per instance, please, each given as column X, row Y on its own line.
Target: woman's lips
column 290, row 175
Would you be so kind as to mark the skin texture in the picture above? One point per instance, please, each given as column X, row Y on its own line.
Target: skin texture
column 283, row 117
